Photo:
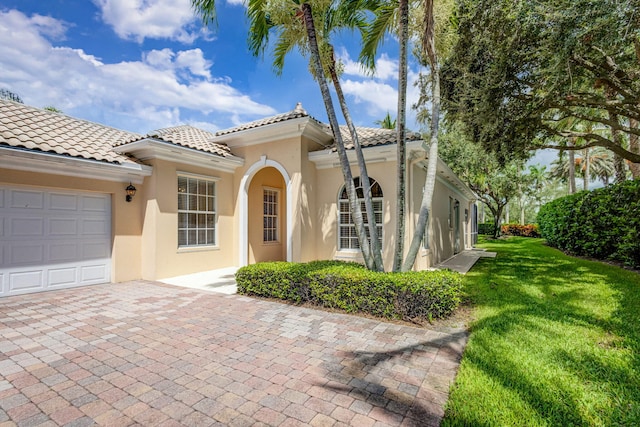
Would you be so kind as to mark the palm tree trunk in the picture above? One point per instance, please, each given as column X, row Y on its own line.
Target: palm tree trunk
column 401, row 134
column 356, row 213
column 429, row 47
column 430, row 179
column 364, row 175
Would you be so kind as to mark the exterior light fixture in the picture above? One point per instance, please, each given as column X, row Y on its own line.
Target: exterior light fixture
column 131, row 191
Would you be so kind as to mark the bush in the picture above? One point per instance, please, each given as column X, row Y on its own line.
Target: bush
column 603, row 223
column 523, row 230
column 485, row 228
column 415, row 296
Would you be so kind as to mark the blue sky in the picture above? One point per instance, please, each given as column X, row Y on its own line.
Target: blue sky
column 141, row 65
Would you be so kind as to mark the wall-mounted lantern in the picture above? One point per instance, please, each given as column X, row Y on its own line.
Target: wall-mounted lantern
column 131, row 191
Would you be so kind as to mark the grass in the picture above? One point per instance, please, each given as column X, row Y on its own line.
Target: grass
column 555, row 341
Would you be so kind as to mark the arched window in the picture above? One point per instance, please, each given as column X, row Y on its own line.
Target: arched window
column 347, row 237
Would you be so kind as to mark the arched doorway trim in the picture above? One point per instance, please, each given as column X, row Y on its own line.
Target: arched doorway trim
column 244, row 208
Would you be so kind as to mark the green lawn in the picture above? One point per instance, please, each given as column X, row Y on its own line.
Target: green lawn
column 555, row 341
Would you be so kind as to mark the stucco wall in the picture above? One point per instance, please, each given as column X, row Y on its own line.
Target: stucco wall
column 161, row 256
column 330, row 182
column 126, row 218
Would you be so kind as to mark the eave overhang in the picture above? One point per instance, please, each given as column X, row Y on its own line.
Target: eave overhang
column 149, row 149
column 17, row 158
column 293, row 128
column 326, row 159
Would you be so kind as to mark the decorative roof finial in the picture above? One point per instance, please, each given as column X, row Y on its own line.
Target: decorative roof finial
column 299, row 108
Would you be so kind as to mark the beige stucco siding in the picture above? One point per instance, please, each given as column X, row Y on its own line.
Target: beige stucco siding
column 160, row 254
column 126, row 218
column 329, row 187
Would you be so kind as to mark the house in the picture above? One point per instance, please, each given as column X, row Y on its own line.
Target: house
column 271, row 189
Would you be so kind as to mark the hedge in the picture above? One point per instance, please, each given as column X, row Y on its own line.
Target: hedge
column 523, row 230
column 414, row 296
column 603, row 223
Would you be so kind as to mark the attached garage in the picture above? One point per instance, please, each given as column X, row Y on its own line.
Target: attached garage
column 53, row 239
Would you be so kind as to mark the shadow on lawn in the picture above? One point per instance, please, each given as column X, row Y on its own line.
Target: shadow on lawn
column 544, row 298
column 420, row 396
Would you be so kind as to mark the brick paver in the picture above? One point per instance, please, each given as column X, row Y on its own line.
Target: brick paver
column 151, row 354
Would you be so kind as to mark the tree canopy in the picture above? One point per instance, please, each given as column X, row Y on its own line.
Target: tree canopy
column 520, row 70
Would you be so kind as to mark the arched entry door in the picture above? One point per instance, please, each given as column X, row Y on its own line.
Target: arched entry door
column 266, row 214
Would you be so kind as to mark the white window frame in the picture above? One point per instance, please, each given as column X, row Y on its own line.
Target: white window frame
column 210, row 208
column 274, row 216
column 344, row 211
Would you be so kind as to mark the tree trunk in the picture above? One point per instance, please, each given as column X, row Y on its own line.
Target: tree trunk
column 572, row 169
column 376, row 250
column 401, row 132
column 430, row 179
column 634, row 146
column 356, row 213
column 585, row 169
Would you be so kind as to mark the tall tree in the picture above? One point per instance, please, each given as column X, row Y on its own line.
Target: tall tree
column 494, row 184
column 520, row 67
column 9, row 95
column 387, row 122
column 292, row 27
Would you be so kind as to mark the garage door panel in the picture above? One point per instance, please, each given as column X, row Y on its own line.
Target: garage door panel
column 93, row 274
column 24, row 199
column 94, row 250
column 95, row 227
column 53, row 239
column 26, row 281
column 95, row 203
column 63, row 252
column 26, row 254
column 63, row 227
column 63, row 202
column 26, row 227
column 63, row 277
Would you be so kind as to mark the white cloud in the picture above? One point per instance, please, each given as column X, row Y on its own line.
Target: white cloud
column 386, row 68
column 140, row 19
column 150, row 93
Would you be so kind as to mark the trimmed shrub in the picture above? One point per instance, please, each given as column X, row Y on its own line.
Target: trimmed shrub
column 485, row 228
column 414, row 296
column 523, row 230
column 603, row 223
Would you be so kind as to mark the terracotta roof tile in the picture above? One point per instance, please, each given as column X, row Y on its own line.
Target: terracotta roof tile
column 189, row 136
column 296, row 113
column 371, row 137
column 35, row 129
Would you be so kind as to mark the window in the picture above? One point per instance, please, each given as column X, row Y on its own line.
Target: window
column 450, row 220
column 347, row 237
column 196, row 212
column 270, row 216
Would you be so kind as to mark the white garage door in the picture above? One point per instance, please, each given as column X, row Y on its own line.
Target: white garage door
column 51, row 239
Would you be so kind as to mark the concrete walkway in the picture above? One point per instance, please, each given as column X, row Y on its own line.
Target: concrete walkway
column 145, row 353
column 466, row 259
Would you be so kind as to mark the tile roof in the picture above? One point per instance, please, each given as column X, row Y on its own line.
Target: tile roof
column 35, row 129
column 296, row 113
column 371, row 137
column 191, row 137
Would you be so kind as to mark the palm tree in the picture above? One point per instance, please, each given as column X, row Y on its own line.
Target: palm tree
column 295, row 25
column 387, row 122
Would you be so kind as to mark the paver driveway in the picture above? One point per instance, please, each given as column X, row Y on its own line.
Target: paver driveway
column 151, row 354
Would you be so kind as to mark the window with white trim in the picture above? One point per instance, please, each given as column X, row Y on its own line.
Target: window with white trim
column 196, row 212
column 270, row 218
column 347, row 237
